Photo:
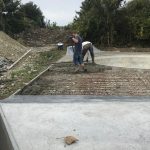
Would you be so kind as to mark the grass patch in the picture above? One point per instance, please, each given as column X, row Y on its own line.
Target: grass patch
column 20, row 77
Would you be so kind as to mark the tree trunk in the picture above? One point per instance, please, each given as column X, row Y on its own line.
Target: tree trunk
column 108, row 38
column 111, row 35
column 108, row 33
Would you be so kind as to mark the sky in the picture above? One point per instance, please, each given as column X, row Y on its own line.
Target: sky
column 60, row 11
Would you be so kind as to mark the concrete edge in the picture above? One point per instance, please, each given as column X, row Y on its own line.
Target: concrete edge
column 7, row 140
column 73, row 99
column 31, row 81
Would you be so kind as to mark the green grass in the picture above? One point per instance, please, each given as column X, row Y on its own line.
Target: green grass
column 19, row 77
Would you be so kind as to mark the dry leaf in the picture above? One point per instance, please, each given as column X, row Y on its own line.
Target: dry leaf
column 70, row 140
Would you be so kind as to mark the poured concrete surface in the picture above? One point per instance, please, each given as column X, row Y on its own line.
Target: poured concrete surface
column 141, row 61
column 137, row 60
column 107, row 123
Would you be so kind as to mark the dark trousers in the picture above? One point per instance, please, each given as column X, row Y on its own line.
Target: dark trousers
column 84, row 51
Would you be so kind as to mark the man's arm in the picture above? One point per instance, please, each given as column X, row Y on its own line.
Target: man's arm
column 75, row 40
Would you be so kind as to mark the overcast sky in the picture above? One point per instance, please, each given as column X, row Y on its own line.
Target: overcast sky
column 60, row 11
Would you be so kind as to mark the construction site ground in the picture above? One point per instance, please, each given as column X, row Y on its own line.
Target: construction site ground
column 106, row 107
column 118, row 71
column 10, row 48
column 26, row 69
column 105, row 78
column 60, row 79
column 107, row 123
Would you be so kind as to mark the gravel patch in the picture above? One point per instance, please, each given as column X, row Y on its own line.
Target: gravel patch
column 4, row 63
column 10, row 48
column 98, row 80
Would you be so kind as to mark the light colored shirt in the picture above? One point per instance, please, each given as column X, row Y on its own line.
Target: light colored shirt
column 86, row 44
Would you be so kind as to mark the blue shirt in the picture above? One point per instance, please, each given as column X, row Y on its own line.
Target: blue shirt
column 78, row 46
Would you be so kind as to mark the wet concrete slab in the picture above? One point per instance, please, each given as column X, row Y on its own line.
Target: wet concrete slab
column 107, row 123
column 136, row 60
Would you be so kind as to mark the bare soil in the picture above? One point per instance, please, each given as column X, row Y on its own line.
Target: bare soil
column 28, row 68
column 9, row 48
column 42, row 37
column 61, row 78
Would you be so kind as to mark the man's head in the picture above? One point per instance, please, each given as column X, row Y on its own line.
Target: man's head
column 74, row 33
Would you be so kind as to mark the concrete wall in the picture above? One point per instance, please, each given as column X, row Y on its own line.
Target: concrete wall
column 5, row 142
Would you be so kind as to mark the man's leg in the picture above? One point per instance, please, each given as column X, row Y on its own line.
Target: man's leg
column 81, row 64
column 84, row 51
column 92, row 53
column 76, row 62
column 86, row 56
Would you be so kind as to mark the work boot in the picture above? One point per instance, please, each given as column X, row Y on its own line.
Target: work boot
column 77, row 69
column 93, row 62
column 83, row 68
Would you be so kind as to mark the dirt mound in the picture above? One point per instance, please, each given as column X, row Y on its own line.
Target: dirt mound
column 42, row 37
column 9, row 48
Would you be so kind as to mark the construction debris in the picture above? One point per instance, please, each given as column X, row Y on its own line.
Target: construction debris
column 4, row 63
column 70, row 140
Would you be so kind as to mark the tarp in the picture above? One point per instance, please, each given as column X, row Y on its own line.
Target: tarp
column 70, row 51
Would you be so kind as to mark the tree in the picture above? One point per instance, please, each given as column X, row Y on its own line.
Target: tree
column 1, row 5
column 114, row 22
column 139, row 18
column 16, row 17
column 33, row 12
column 1, row 14
column 11, row 16
column 96, row 20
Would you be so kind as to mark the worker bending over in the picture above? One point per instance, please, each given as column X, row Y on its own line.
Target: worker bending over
column 87, row 46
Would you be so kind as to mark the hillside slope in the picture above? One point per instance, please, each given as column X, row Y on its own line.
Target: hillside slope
column 9, row 48
column 42, row 37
